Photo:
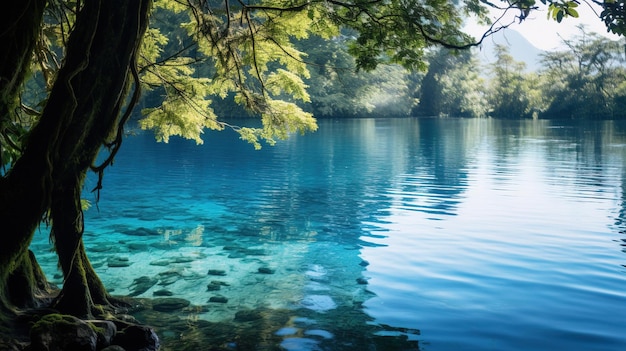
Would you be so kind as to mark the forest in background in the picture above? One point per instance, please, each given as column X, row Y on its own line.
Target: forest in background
column 587, row 80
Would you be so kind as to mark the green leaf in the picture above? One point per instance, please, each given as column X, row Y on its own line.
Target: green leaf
column 559, row 16
column 572, row 12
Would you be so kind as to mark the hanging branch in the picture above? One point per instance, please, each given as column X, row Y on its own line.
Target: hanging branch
column 114, row 146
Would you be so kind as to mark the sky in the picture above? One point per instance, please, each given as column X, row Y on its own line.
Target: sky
column 546, row 34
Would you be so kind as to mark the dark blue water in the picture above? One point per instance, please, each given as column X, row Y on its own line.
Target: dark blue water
column 435, row 234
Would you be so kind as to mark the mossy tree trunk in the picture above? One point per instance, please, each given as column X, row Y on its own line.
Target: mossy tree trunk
column 82, row 113
column 21, row 207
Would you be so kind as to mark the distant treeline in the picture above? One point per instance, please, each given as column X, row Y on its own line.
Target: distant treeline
column 585, row 81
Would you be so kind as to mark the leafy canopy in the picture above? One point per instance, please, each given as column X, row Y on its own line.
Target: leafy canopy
column 248, row 51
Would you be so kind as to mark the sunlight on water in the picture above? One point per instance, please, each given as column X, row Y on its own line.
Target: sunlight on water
column 372, row 234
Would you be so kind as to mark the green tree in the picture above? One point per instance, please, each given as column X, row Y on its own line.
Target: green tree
column 430, row 91
column 513, row 93
column 452, row 86
column 587, row 79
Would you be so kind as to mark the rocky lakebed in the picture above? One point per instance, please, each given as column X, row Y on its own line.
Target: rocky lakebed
column 236, row 292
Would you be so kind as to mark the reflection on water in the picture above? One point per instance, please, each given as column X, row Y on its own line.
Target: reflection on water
column 372, row 234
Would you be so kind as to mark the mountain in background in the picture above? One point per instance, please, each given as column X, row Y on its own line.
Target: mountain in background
column 520, row 48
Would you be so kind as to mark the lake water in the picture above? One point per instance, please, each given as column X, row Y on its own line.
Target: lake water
column 373, row 234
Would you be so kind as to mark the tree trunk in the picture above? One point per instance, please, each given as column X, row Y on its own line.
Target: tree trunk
column 98, row 92
column 81, row 113
column 18, row 35
column 19, row 214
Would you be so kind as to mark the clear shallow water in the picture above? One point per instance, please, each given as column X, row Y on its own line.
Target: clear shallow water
column 470, row 235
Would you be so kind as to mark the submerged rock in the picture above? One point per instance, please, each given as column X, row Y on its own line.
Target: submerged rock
column 169, row 304
column 100, row 248
column 213, row 287
column 219, row 272
column 248, row 315
column 254, row 252
column 117, row 262
column 232, row 248
column 137, row 246
column 361, row 280
column 161, row 262
column 170, row 272
column 182, row 259
column 170, row 276
column 266, row 270
column 237, row 255
column 218, row 299
column 163, row 292
column 141, row 285
column 168, row 280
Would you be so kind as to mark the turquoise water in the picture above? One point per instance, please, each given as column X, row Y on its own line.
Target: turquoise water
column 402, row 234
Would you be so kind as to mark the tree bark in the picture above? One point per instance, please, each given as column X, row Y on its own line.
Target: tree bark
column 95, row 94
column 20, row 24
column 82, row 111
